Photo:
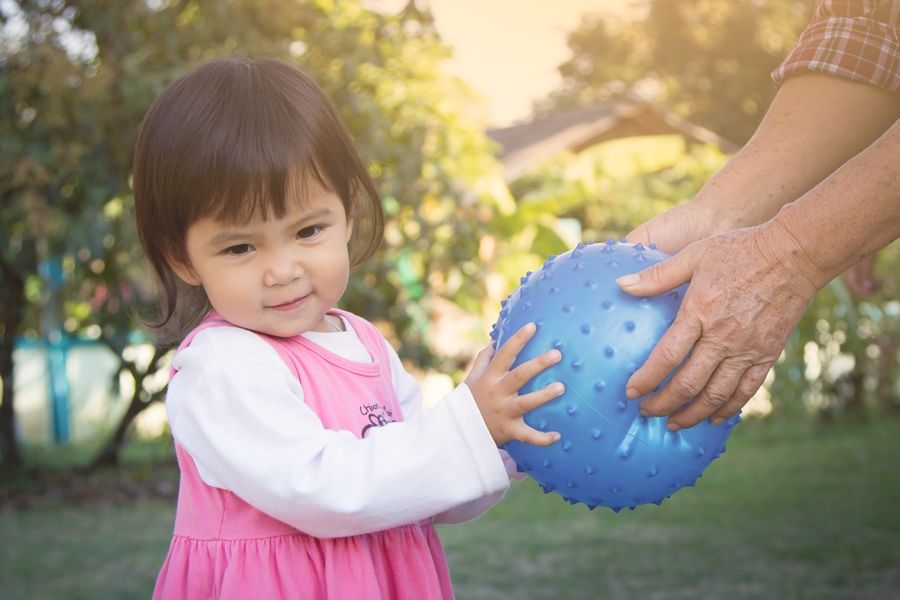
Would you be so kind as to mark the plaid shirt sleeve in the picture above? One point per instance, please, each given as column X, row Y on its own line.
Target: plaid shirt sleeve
column 855, row 39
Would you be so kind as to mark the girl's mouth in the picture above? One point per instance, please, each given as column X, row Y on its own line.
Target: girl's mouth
column 290, row 305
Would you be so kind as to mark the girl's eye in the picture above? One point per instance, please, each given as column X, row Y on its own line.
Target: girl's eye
column 238, row 250
column 309, row 232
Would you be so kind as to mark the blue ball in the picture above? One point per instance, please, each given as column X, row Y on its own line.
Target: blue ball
column 609, row 455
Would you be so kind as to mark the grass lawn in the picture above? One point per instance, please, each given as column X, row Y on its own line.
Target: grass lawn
column 789, row 512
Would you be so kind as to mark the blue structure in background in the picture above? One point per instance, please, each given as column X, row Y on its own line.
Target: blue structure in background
column 58, row 343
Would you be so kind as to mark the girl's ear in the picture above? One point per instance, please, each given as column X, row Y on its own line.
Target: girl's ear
column 349, row 229
column 184, row 271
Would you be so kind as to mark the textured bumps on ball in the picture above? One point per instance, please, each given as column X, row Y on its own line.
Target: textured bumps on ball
column 609, row 455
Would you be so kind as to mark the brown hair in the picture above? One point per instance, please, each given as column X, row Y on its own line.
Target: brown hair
column 230, row 140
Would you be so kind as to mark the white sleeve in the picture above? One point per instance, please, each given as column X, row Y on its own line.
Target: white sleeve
column 239, row 412
column 409, row 394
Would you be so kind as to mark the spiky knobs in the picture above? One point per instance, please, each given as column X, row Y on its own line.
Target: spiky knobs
column 609, row 455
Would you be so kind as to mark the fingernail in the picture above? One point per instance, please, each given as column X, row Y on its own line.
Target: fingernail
column 555, row 355
column 556, row 437
column 632, row 392
column 626, row 280
column 673, row 426
column 644, row 412
column 557, row 388
column 717, row 420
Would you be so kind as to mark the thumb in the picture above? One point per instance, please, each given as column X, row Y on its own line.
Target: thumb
column 663, row 276
column 481, row 363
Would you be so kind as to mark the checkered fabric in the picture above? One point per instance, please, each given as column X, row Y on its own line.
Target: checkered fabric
column 855, row 39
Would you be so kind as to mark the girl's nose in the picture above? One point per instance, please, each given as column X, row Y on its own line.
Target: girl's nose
column 282, row 268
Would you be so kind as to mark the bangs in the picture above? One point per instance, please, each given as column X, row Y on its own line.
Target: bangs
column 268, row 192
column 264, row 147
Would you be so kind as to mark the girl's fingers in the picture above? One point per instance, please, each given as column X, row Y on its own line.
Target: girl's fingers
column 527, row 402
column 532, row 436
column 510, row 349
column 532, row 400
column 524, row 372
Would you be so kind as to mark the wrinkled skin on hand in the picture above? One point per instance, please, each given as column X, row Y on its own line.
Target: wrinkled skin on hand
column 749, row 288
column 676, row 228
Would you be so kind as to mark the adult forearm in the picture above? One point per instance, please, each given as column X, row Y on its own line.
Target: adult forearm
column 849, row 215
column 814, row 125
column 749, row 287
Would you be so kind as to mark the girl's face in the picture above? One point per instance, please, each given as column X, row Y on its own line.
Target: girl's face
column 277, row 276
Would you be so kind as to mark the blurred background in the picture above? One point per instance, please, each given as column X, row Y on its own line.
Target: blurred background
column 497, row 132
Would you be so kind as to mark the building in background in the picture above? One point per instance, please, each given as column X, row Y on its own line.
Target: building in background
column 526, row 146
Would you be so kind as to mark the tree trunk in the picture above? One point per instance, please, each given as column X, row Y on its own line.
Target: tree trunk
column 12, row 297
column 887, row 372
column 108, row 455
column 854, row 403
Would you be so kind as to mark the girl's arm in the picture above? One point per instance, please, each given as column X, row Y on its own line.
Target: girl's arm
column 409, row 394
column 239, row 412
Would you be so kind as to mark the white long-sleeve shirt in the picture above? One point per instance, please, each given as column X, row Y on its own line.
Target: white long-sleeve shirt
column 239, row 412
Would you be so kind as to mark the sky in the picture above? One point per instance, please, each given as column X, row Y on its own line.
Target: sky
column 508, row 50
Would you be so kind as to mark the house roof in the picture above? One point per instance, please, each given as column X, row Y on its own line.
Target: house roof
column 524, row 146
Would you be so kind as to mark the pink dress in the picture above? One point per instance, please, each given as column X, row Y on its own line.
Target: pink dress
column 224, row 548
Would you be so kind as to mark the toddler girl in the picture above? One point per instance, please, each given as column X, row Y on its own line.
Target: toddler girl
column 309, row 468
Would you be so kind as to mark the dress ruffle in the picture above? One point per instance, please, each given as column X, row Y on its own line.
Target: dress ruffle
column 401, row 563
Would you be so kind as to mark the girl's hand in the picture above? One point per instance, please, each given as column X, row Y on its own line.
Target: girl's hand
column 495, row 388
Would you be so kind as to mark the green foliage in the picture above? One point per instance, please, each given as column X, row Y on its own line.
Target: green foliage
column 383, row 71
column 844, row 358
column 81, row 75
column 609, row 189
column 710, row 61
column 77, row 77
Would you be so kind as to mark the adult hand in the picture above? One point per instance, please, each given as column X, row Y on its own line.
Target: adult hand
column 676, row 228
column 495, row 386
column 749, row 288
